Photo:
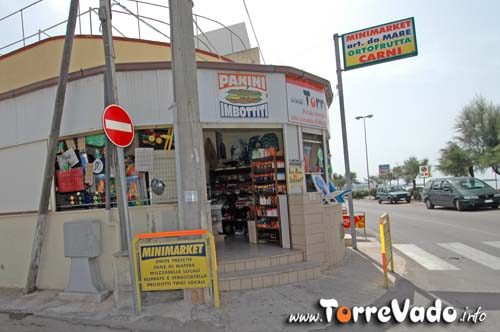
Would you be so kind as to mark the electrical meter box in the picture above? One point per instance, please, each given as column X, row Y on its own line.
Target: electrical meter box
column 82, row 238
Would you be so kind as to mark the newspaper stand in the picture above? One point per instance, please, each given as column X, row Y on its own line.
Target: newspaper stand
column 165, row 263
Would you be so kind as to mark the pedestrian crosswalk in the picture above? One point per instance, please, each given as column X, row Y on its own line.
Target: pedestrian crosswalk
column 424, row 258
column 493, row 243
column 478, row 256
column 429, row 260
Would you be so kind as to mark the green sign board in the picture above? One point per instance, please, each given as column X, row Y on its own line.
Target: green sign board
column 381, row 43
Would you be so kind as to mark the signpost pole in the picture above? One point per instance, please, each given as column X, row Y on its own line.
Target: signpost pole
column 124, row 201
column 189, row 153
column 105, row 17
column 344, row 139
column 366, row 153
column 112, row 97
column 53, row 138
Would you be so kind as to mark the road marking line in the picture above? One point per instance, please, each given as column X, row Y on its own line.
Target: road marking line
column 120, row 126
column 422, row 257
column 478, row 256
column 493, row 243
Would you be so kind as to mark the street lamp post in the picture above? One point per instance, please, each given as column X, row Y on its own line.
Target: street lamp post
column 366, row 149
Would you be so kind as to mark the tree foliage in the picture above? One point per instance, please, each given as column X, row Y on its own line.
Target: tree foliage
column 339, row 180
column 397, row 173
column 354, row 178
column 376, row 179
column 454, row 160
column 411, row 168
column 478, row 134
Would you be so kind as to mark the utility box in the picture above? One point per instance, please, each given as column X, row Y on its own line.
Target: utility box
column 82, row 238
column 82, row 244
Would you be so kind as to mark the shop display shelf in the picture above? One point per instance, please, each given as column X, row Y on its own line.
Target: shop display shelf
column 269, row 158
column 260, row 182
column 218, row 182
column 232, row 169
column 270, row 193
column 259, row 171
column 260, row 228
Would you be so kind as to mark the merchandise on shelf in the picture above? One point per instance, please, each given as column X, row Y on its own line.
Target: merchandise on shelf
column 269, row 180
column 231, row 187
column 81, row 162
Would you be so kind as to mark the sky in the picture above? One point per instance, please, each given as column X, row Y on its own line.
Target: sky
column 414, row 101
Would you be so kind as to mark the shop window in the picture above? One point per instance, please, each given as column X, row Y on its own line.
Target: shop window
column 80, row 171
column 313, row 158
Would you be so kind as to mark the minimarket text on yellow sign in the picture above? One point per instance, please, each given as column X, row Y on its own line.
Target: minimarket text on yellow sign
column 174, row 265
column 386, row 42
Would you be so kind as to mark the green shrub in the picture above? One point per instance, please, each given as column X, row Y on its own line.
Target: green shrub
column 359, row 194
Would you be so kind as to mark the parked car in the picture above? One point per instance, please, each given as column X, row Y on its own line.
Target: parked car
column 460, row 193
column 392, row 194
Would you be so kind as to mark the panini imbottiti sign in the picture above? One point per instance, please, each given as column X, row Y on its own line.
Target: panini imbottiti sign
column 174, row 265
column 242, row 95
column 381, row 43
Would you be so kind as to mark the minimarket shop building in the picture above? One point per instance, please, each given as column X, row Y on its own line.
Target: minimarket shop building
column 265, row 132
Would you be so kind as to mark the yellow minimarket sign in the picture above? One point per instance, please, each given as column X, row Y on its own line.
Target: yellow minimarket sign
column 381, row 43
column 174, row 265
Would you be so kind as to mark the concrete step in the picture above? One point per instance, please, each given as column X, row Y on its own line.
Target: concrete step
column 269, row 276
column 252, row 263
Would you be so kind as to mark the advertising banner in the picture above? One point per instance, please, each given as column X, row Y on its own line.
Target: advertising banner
column 384, row 169
column 242, row 95
column 306, row 102
column 295, row 175
column 359, row 220
column 381, row 43
column 174, row 265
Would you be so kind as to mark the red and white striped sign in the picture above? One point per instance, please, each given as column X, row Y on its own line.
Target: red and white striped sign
column 118, row 126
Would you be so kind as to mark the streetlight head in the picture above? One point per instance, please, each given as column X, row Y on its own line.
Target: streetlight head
column 369, row 116
column 358, row 117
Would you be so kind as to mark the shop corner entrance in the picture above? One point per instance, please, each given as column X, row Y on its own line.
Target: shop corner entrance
column 246, row 179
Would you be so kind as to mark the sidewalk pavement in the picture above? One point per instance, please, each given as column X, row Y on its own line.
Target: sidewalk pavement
column 358, row 280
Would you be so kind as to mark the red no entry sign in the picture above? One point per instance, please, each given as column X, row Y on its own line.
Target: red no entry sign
column 118, row 126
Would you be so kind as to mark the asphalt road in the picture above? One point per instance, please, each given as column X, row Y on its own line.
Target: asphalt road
column 451, row 255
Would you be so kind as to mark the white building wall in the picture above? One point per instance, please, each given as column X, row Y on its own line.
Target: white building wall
column 148, row 96
column 83, row 107
column 21, row 176
column 292, row 140
column 26, row 118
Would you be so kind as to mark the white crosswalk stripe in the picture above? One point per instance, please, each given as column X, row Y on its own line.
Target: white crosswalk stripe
column 424, row 258
column 493, row 243
column 475, row 255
